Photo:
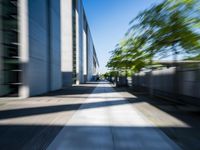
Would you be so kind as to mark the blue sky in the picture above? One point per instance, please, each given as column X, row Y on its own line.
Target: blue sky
column 109, row 20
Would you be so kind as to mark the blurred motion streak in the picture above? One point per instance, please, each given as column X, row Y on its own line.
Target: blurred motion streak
column 44, row 45
column 161, row 51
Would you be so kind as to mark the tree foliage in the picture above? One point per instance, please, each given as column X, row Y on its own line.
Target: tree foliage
column 129, row 55
column 168, row 28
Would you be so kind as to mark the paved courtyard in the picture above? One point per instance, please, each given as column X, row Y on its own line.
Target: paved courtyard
column 94, row 116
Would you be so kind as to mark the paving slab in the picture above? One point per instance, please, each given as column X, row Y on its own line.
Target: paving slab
column 32, row 123
column 107, row 121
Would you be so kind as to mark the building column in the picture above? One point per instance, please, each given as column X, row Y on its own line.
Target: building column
column 85, row 55
column 80, row 76
column 77, row 43
column 66, row 41
column 24, row 89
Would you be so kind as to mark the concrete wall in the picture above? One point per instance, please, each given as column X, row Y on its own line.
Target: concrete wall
column 46, row 45
column 179, row 83
column 40, row 46
column 43, row 58
column 189, row 82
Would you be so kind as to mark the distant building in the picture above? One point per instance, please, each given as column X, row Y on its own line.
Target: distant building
column 45, row 45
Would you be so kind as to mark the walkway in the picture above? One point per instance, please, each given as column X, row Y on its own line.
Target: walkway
column 108, row 121
column 96, row 116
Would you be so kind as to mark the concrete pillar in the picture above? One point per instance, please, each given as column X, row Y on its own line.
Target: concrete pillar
column 54, row 44
column 79, row 21
column 66, row 41
column 85, row 55
column 24, row 89
column 77, row 45
column 89, row 56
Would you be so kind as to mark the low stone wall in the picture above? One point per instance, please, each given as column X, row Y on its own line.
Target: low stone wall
column 180, row 83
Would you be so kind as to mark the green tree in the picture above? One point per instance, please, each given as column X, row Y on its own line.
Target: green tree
column 129, row 56
column 169, row 27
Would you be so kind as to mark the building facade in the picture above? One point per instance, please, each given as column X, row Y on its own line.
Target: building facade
column 78, row 44
column 45, row 45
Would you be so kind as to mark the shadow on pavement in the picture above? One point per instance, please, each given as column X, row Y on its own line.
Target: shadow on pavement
column 23, row 112
column 13, row 136
column 87, row 137
column 187, row 138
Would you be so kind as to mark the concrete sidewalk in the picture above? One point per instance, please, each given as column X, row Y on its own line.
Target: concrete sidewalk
column 108, row 121
column 32, row 123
